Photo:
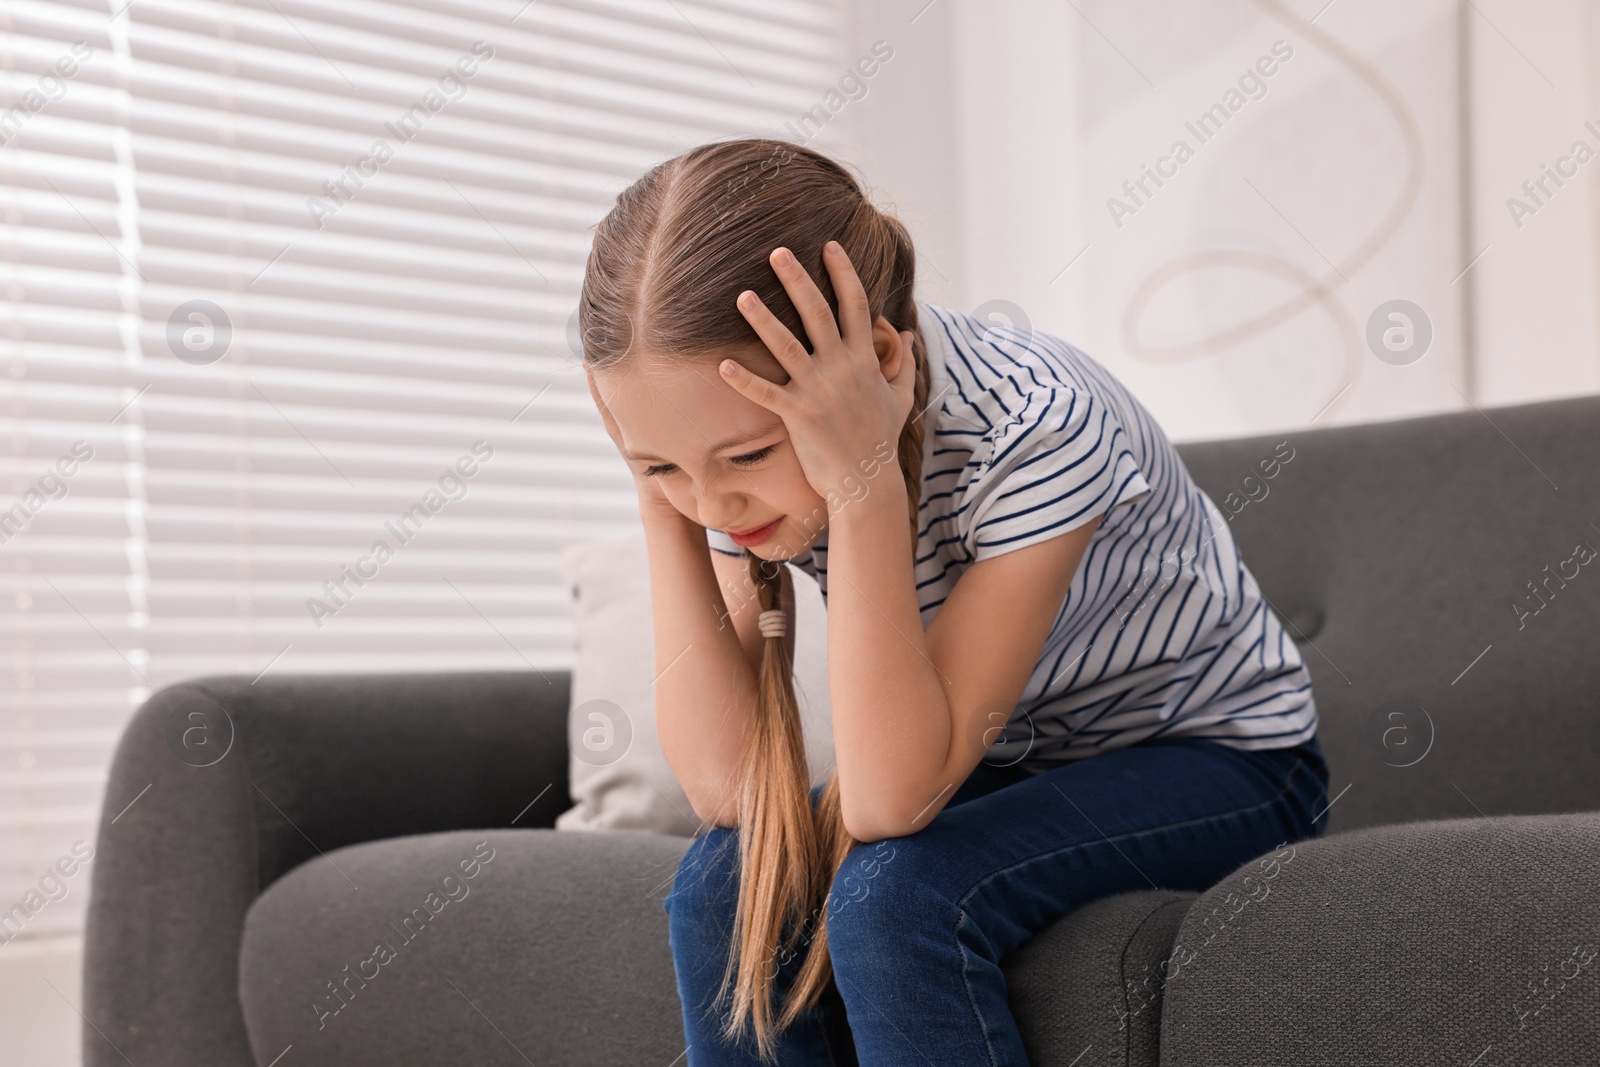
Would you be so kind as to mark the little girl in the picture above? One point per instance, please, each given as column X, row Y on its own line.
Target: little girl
column 1051, row 676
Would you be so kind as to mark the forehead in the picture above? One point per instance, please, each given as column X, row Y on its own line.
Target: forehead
column 683, row 409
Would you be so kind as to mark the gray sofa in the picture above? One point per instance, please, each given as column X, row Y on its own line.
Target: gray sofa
column 1449, row 916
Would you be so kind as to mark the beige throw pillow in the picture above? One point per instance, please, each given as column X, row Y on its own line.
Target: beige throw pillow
column 620, row 779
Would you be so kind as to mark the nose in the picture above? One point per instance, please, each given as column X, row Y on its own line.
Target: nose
column 718, row 504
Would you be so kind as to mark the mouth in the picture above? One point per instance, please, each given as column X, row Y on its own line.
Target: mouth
column 757, row 535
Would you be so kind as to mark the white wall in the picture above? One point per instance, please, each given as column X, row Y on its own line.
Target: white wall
column 1002, row 128
column 41, row 992
column 1534, row 88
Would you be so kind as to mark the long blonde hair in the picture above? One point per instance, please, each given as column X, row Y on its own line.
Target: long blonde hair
column 666, row 265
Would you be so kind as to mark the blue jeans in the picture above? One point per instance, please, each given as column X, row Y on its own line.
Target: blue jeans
column 918, row 925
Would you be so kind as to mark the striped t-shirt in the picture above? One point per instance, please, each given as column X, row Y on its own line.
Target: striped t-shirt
column 1163, row 632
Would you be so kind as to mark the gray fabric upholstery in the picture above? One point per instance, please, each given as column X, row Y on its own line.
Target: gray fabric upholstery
column 596, row 987
column 555, row 950
column 1428, row 943
column 317, row 762
column 1397, row 549
column 1087, row 991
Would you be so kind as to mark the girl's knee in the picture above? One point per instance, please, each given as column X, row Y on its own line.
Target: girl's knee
column 879, row 891
column 707, row 878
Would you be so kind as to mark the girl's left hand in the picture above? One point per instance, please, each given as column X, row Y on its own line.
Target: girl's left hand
column 838, row 407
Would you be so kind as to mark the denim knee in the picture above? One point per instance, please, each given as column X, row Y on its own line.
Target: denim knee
column 707, row 880
column 880, row 889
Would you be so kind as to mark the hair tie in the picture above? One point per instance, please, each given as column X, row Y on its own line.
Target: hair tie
column 773, row 623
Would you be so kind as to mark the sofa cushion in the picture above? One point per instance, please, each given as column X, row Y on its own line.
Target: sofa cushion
column 460, row 947
column 1087, row 990
column 1466, row 941
column 477, row 945
column 1441, row 589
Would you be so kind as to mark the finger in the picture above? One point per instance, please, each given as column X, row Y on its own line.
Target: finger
column 754, row 387
column 808, row 300
column 855, row 313
column 783, row 345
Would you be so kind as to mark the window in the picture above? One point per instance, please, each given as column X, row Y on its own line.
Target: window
column 289, row 285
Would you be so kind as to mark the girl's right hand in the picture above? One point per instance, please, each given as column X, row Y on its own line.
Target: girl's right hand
column 653, row 502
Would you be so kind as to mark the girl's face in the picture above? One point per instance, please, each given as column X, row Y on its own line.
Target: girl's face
column 722, row 460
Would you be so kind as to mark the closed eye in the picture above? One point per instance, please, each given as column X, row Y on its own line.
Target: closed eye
column 748, row 459
column 754, row 457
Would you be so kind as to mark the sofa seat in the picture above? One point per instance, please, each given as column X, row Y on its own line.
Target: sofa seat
column 1453, row 942
column 554, row 950
column 490, row 946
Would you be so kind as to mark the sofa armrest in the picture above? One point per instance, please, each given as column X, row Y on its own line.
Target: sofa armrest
column 220, row 785
column 1462, row 941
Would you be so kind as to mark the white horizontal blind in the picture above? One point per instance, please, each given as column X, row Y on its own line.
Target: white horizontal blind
column 326, row 256
column 72, row 532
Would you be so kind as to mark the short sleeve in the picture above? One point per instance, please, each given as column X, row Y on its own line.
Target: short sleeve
column 1050, row 467
column 721, row 542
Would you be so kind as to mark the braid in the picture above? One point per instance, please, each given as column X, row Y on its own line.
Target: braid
column 909, row 449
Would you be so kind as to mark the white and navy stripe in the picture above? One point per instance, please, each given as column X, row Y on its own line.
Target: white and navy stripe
column 1163, row 632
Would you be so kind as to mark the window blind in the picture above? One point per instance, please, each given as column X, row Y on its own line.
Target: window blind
column 294, row 283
